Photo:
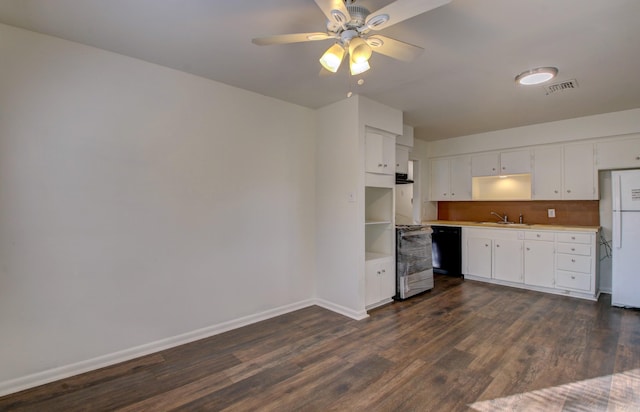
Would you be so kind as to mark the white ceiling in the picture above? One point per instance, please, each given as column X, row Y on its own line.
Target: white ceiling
column 462, row 84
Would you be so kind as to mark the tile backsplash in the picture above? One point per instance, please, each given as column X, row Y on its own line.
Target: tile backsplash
column 568, row 212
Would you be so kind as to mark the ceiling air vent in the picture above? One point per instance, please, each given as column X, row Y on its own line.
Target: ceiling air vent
column 558, row 87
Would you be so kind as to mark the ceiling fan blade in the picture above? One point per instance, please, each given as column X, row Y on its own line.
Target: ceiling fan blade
column 335, row 10
column 290, row 38
column 400, row 10
column 394, row 48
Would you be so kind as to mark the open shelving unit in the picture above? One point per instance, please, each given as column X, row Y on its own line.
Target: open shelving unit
column 379, row 226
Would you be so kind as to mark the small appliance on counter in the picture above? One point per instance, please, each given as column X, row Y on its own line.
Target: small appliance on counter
column 414, row 269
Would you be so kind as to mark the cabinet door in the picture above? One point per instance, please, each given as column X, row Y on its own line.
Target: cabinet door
column 372, row 283
column 618, row 154
column 402, row 160
column 460, row 178
column 507, row 260
column 440, row 179
column 387, row 280
column 579, row 171
column 380, row 153
column 389, row 155
column 479, row 257
column 515, row 162
column 539, row 265
column 485, row 164
column 379, row 281
column 547, row 173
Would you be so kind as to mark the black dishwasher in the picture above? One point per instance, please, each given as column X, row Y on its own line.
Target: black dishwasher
column 446, row 250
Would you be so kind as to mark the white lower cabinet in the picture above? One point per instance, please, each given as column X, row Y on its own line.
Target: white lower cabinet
column 539, row 265
column 493, row 254
column 559, row 262
column 576, row 262
column 380, row 281
column 479, row 256
column 507, row 260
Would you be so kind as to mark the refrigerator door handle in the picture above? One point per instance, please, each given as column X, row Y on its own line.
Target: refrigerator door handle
column 617, row 232
column 616, row 186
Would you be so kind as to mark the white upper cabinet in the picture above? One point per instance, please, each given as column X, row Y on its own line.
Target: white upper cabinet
column 451, row 178
column 512, row 163
column 579, row 172
column 547, row 173
column 564, row 173
column 618, row 154
column 380, row 153
column 460, row 182
column 505, row 163
column 487, row 164
column 402, row 159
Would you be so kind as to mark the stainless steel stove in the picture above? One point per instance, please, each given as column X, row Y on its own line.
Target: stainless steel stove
column 414, row 266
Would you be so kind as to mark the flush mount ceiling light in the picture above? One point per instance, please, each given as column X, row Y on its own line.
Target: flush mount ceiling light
column 536, row 76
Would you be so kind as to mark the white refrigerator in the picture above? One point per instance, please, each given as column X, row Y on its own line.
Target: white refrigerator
column 626, row 238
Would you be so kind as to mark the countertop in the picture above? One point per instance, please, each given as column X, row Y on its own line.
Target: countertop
column 513, row 226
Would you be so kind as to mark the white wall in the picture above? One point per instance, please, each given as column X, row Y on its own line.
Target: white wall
column 588, row 127
column 140, row 204
column 421, row 152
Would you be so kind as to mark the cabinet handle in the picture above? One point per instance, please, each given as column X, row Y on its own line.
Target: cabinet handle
column 555, row 191
column 453, row 194
column 504, row 168
column 493, row 169
column 573, row 277
column 497, row 245
column 384, row 271
column 528, row 249
column 378, row 272
column 573, row 249
column 397, row 164
column 485, row 245
column 444, row 194
column 637, row 157
column 385, row 165
column 379, row 164
column 573, row 260
column 573, row 238
column 538, row 235
column 568, row 191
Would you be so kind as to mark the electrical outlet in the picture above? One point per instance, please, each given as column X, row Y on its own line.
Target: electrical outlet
column 551, row 212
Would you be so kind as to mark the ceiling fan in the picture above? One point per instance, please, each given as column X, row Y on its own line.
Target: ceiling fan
column 354, row 30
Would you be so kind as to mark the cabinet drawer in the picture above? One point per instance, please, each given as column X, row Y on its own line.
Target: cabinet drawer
column 574, row 249
column 577, row 281
column 574, row 238
column 533, row 235
column 573, row 263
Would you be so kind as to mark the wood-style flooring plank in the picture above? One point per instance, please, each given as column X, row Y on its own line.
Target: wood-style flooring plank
column 463, row 346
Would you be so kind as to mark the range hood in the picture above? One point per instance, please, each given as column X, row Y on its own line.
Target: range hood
column 403, row 179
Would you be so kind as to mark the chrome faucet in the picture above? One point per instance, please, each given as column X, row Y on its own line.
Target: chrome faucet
column 503, row 219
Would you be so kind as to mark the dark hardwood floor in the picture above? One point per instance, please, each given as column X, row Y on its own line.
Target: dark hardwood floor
column 463, row 346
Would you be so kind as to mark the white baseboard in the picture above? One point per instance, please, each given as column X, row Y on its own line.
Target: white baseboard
column 357, row 315
column 51, row 375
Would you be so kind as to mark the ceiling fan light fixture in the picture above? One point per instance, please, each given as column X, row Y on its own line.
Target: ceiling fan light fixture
column 332, row 58
column 359, row 50
column 358, row 68
column 536, row 76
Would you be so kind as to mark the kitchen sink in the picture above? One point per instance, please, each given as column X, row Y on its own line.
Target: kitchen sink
column 505, row 224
